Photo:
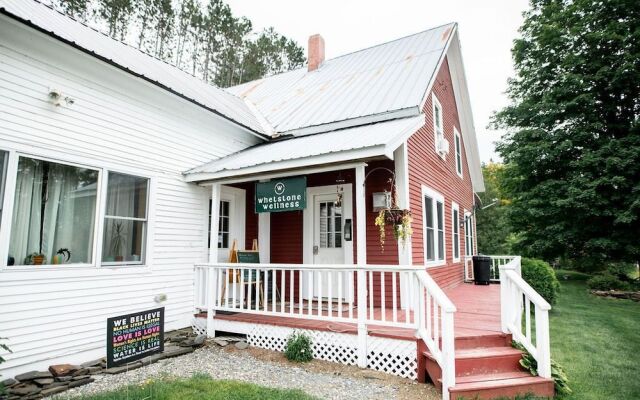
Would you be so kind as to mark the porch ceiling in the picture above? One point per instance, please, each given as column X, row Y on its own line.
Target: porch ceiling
column 356, row 143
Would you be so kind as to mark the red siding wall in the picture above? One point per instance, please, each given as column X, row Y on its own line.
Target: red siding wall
column 427, row 168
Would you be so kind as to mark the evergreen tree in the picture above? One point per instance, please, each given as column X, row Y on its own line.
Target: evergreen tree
column 116, row 14
column 573, row 147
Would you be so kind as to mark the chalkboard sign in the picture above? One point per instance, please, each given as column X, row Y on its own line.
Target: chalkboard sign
column 249, row 257
column 134, row 336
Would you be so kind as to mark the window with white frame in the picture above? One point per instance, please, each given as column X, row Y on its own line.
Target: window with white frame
column 468, row 233
column 455, row 231
column 458, row 148
column 433, row 227
column 4, row 156
column 224, row 220
column 125, row 220
column 438, row 124
column 54, row 213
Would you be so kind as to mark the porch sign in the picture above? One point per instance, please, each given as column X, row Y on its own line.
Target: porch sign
column 281, row 195
column 134, row 336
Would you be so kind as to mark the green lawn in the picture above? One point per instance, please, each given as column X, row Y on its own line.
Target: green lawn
column 199, row 388
column 597, row 340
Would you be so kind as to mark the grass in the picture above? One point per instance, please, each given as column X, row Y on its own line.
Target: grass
column 596, row 340
column 199, row 387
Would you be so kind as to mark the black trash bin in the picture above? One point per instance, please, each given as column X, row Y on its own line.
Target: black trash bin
column 481, row 270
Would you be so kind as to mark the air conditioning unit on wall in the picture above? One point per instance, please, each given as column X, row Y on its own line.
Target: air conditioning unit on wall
column 443, row 146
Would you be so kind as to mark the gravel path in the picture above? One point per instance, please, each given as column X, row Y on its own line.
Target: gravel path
column 322, row 379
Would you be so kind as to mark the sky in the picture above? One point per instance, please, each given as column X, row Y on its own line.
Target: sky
column 487, row 30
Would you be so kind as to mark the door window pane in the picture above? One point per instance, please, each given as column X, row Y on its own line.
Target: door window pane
column 224, row 222
column 125, row 219
column 54, row 214
column 330, row 225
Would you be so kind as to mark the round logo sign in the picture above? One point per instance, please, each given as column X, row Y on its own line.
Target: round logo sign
column 279, row 188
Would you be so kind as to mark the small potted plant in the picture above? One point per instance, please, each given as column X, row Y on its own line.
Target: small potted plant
column 62, row 256
column 118, row 238
column 36, row 258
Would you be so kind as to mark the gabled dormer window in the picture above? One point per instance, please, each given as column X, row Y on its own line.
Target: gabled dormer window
column 438, row 128
column 458, row 147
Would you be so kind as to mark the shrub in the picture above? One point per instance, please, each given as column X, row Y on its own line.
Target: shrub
column 541, row 277
column 560, row 379
column 607, row 281
column 298, row 348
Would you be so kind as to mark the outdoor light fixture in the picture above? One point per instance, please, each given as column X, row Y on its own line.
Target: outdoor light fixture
column 56, row 97
column 381, row 201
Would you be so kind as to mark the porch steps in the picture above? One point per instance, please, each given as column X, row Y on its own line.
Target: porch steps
column 487, row 367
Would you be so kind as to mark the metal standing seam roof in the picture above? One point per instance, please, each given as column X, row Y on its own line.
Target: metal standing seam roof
column 381, row 79
column 385, row 137
column 133, row 60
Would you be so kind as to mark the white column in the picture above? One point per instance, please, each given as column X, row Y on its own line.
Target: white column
column 264, row 237
column 361, row 246
column 212, row 284
column 401, row 164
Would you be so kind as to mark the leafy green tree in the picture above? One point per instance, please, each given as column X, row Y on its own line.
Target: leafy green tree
column 116, row 14
column 572, row 153
column 494, row 233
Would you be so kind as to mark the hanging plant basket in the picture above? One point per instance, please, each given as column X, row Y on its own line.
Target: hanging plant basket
column 399, row 219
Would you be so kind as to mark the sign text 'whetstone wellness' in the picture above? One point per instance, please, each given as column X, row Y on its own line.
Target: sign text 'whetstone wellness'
column 281, row 195
column 134, row 336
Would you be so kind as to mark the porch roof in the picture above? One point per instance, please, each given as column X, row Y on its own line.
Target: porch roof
column 291, row 152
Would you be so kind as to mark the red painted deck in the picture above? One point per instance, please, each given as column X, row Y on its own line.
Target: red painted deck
column 478, row 314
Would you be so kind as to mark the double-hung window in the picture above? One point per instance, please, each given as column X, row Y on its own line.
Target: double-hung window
column 125, row 220
column 433, row 227
column 54, row 214
column 458, row 147
column 438, row 124
column 455, row 231
column 468, row 233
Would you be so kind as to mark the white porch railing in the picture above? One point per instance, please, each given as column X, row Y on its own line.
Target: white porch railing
column 518, row 298
column 382, row 295
column 496, row 263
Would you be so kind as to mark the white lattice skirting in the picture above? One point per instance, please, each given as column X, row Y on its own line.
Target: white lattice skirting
column 392, row 356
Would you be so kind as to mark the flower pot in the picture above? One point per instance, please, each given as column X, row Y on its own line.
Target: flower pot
column 38, row 260
column 119, row 258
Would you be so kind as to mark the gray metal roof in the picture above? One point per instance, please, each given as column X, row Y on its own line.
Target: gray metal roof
column 133, row 60
column 383, row 79
column 382, row 138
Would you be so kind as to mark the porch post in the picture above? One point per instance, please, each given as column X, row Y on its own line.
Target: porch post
column 212, row 283
column 264, row 237
column 361, row 246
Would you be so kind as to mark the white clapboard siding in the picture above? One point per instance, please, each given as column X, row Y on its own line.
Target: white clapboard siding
column 122, row 123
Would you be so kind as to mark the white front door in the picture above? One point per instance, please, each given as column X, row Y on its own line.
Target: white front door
column 325, row 242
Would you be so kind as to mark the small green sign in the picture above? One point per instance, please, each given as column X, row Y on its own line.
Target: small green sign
column 281, row 195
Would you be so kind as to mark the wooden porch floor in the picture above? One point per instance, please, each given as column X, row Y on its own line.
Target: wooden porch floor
column 478, row 314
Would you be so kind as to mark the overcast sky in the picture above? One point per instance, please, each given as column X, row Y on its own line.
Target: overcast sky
column 487, row 29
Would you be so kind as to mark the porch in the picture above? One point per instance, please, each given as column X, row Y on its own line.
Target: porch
column 394, row 319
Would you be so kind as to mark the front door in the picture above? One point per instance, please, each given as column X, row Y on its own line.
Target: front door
column 324, row 239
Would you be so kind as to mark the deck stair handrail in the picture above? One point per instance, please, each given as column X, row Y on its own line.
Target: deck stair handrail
column 361, row 295
column 435, row 327
column 518, row 299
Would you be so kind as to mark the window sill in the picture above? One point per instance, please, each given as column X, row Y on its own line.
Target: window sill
column 432, row 264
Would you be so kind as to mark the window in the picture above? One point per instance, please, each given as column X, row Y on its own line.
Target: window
column 468, row 234
column 223, row 224
column 438, row 124
column 433, row 221
column 54, row 214
column 455, row 230
column 330, row 225
column 458, row 148
column 3, row 172
column 125, row 220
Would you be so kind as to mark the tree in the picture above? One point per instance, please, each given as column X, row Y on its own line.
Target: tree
column 271, row 53
column 116, row 14
column 494, row 233
column 572, row 151
column 78, row 9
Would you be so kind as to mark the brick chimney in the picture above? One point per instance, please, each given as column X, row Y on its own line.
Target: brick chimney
column 315, row 57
